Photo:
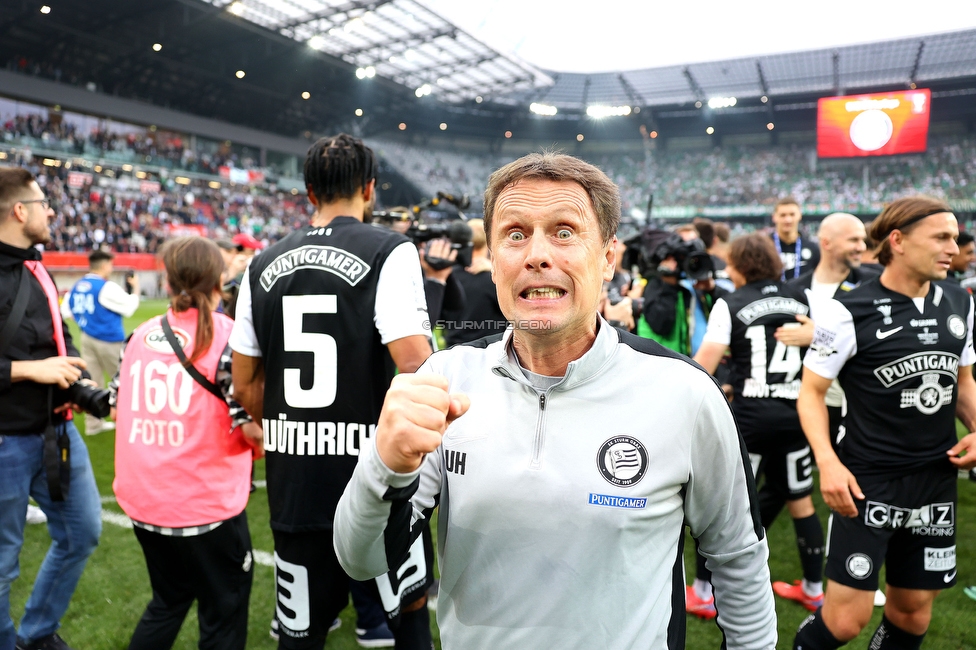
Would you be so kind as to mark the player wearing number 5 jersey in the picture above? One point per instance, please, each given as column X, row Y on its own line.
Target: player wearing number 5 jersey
column 323, row 317
column 183, row 458
column 766, row 380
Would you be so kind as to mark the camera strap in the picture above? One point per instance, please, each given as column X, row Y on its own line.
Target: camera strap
column 57, row 454
column 16, row 313
column 190, row 368
column 57, row 445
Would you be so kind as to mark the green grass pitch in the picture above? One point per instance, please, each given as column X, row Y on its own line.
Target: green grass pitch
column 114, row 589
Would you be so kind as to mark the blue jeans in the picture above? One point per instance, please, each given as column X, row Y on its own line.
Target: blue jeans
column 74, row 525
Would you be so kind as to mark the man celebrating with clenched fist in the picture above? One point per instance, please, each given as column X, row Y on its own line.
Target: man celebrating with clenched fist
column 562, row 493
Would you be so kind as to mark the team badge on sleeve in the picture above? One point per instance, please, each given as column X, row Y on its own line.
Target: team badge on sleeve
column 957, row 326
column 622, row 461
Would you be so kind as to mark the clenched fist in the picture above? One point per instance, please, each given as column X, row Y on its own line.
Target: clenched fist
column 415, row 415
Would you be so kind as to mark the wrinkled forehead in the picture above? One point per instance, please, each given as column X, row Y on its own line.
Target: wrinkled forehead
column 540, row 198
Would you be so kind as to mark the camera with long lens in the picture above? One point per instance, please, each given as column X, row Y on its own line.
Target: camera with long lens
column 652, row 246
column 428, row 221
column 89, row 399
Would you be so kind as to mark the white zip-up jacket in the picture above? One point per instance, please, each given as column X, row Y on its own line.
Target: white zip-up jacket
column 561, row 512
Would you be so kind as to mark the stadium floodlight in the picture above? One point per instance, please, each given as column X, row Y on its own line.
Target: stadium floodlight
column 236, row 8
column 721, row 102
column 157, row 47
column 366, row 73
column 599, row 111
column 423, row 90
column 542, row 109
column 239, row 74
column 359, row 112
column 579, row 137
column 316, row 42
column 710, row 130
column 45, row 10
column 306, row 95
column 770, row 126
column 764, row 99
column 443, row 126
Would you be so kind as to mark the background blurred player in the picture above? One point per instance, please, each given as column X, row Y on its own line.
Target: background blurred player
column 765, row 385
column 796, row 254
column 98, row 305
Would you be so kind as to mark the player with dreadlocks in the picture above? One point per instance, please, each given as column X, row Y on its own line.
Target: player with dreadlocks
column 323, row 318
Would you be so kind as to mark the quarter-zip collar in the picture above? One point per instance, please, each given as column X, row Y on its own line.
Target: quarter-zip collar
column 579, row 371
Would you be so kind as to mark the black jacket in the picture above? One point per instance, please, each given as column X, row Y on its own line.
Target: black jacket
column 854, row 278
column 24, row 404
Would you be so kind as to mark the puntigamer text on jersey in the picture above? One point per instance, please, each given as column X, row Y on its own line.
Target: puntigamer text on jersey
column 324, row 258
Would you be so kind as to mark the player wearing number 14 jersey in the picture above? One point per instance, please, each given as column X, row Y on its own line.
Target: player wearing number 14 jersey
column 766, row 380
column 322, row 318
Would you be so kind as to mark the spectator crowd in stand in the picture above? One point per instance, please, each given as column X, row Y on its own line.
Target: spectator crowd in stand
column 132, row 221
column 134, row 144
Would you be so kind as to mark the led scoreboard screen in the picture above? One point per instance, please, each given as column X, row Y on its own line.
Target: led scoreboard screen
column 879, row 124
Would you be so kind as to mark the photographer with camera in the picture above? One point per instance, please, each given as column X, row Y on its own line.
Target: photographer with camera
column 680, row 290
column 481, row 315
column 41, row 452
column 98, row 305
column 441, row 287
column 442, row 245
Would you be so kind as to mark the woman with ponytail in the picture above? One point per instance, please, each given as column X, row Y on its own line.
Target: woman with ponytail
column 183, row 451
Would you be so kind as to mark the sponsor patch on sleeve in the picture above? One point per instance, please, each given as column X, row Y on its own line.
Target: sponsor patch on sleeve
column 823, row 343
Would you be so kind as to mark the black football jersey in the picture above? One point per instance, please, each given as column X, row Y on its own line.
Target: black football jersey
column 898, row 367
column 765, row 373
column 326, row 370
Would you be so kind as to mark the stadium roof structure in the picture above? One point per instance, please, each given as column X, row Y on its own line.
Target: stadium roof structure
column 829, row 71
column 400, row 40
column 290, row 68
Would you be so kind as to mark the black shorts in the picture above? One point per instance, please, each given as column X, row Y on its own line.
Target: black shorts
column 785, row 464
column 312, row 587
column 909, row 523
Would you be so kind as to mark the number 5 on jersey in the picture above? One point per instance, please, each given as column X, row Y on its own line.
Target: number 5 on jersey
column 322, row 392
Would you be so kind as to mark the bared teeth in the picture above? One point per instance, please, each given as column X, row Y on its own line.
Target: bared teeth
column 544, row 293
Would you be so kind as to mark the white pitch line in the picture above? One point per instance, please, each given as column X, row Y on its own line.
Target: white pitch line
column 262, row 557
column 117, row 519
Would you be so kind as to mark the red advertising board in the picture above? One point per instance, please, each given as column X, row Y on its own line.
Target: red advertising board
column 59, row 261
column 879, row 124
